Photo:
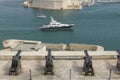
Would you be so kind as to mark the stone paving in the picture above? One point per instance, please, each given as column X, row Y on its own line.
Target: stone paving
column 61, row 70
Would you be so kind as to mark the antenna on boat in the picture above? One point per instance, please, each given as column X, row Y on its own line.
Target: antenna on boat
column 52, row 19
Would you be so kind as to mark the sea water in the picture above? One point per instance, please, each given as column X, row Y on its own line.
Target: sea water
column 98, row 24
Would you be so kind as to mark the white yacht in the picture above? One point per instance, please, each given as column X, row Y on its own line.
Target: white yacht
column 54, row 25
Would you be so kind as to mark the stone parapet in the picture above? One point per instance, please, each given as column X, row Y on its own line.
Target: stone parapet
column 12, row 43
column 55, row 47
column 70, row 55
column 78, row 47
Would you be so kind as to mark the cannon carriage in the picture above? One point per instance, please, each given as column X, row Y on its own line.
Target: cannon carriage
column 15, row 68
column 87, row 67
column 49, row 64
column 118, row 60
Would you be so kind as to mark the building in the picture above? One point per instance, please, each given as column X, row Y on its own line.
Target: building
column 55, row 4
column 107, row 1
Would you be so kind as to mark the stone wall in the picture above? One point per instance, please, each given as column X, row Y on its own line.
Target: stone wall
column 70, row 55
column 12, row 43
column 85, row 47
column 55, row 46
column 55, row 4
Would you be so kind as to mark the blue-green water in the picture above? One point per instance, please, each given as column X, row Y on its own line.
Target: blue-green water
column 98, row 24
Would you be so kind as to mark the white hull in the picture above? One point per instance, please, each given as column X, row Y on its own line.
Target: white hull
column 43, row 16
column 54, row 25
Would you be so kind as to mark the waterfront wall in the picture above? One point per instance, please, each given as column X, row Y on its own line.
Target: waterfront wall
column 14, row 44
column 73, row 47
column 48, row 4
column 55, row 47
column 54, row 4
column 81, row 47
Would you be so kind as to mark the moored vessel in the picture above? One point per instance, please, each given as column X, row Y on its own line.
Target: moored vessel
column 54, row 25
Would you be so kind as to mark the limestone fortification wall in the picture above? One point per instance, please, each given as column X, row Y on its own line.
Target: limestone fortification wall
column 73, row 47
column 12, row 43
column 55, row 46
column 48, row 4
column 54, row 4
column 85, row 47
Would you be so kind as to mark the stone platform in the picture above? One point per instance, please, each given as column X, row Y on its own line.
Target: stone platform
column 64, row 61
column 61, row 70
column 38, row 55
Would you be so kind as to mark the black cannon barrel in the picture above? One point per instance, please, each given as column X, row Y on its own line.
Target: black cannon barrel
column 18, row 53
column 49, row 63
column 88, row 69
column 49, row 56
column 49, row 52
column 118, row 60
column 15, row 68
column 118, row 51
column 87, row 57
column 86, row 53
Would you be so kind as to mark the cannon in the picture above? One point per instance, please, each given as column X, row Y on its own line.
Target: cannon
column 87, row 67
column 15, row 68
column 118, row 60
column 49, row 64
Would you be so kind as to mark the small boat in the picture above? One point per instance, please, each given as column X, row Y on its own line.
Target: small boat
column 54, row 25
column 40, row 15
